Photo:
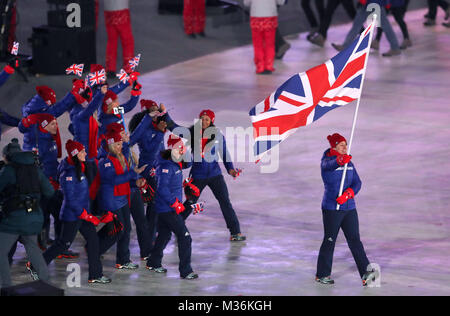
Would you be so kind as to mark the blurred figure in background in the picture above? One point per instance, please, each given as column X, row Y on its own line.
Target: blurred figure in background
column 398, row 9
column 264, row 23
column 194, row 17
column 432, row 11
column 118, row 24
column 321, row 36
column 310, row 14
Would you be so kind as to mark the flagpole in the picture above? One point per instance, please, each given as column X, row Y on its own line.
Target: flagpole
column 355, row 116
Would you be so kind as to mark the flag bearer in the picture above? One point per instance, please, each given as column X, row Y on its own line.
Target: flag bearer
column 346, row 217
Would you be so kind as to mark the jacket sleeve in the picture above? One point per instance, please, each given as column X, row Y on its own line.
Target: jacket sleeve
column 3, row 77
column 329, row 163
column 46, row 188
column 92, row 107
column 356, row 183
column 171, row 125
column 71, row 197
column 138, row 133
column 62, row 106
column 131, row 104
column 163, row 186
column 226, row 157
column 118, row 88
column 281, row 2
column 7, row 119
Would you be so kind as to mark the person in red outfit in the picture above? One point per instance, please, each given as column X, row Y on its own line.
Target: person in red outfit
column 264, row 23
column 118, row 24
column 194, row 17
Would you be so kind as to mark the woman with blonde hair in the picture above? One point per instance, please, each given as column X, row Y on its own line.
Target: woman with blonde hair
column 114, row 195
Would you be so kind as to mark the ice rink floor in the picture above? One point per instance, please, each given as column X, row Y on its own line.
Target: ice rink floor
column 401, row 150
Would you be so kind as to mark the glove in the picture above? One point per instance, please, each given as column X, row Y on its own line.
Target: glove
column 89, row 218
column 107, row 218
column 178, row 206
column 30, row 120
column 190, row 189
column 343, row 159
column 136, row 90
column 13, row 64
column 133, row 77
column 147, row 192
column 77, row 87
column 346, row 195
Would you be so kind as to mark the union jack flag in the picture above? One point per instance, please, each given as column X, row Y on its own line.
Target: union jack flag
column 198, row 207
column 134, row 62
column 15, row 48
column 307, row 96
column 97, row 77
column 123, row 76
column 75, row 69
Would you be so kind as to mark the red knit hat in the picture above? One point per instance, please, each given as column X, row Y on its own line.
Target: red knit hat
column 113, row 137
column 173, row 142
column 44, row 119
column 335, row 139
column 73, row 148
column 110, row 96
column 147, row 104
column 208, row 113
column 46, row 93
column 96, row 67
column 114, row 128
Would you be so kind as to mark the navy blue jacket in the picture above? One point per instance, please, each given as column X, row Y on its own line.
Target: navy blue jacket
column 108, row 180
column 106, row 119
column 76, row 192
column 331, row 176
column 7, row 119
column 150, row 141
column 80, row 121
column 4, row 76
column 169, row 177
column 48, row 151
column 38, row 105
column 215, row 149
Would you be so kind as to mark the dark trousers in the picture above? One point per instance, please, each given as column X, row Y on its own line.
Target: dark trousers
column 347, row 221
column 52, row 206
column 152, row 216
column 65, row 239
column 310, row 14
column 219, row 189
column 329, row 11
column 399, row 15
column 138, row 213
column 433, row 5
column 279, row 40
column 122, row 238
column 167, row 223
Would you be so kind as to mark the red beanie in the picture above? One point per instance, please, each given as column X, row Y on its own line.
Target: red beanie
column 110, row 96
column 114, row 128
column 44, row 119
column 73, row 148
column 208, row 113
column 46, row 93
column 96, row 67
column 335, row 139
column 113, row 137
column 147, row 104
column 173, row 140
